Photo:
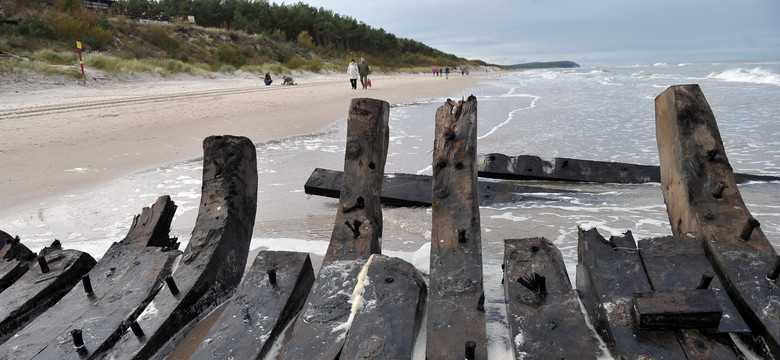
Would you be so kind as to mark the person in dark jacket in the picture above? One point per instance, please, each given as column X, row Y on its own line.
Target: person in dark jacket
column 363, row 70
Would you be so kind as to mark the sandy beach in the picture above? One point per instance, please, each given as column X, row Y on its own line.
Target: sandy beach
column 60, row 135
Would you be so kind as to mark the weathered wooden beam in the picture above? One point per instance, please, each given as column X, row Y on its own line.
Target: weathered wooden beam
column 387, row 323
column 213, row 262
column 680, row 309
column 126, row 273
column 545, row 317
column 529, row 167
column 56, row 272
column 702, row 198
column 415, row 190
column 609, row 275
column 679, row 263
column 456, row 316
column 321, row 327
column 271, row 295
column 15, row 260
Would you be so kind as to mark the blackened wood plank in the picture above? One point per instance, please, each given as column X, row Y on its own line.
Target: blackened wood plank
column 679, row 309
column 529, row 167
column 15, row 259
column 41, row 287
column 272, row 293
column 456, row 316
column 415, row 190
column 679, row 263
column 321, row 327
column 545, row 317
column 390, row 312
column 108, row 282
column 213, row 262
column 702, row 198
column 609, row 275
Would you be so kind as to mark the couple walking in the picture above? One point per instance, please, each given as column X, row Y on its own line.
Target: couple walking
column 362, row 70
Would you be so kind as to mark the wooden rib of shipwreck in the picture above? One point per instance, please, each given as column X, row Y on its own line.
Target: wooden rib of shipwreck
column 271, row 295
column 415, row 190
column 15, row 259
column 544, row 313
column 213, row 262
column 118, row 287
column 530, row 167
column 456, row 313
column 702, row 198
column 55, row 273
column 333, row 321
column 610, row 276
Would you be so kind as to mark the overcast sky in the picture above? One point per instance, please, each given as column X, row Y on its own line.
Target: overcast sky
column 587, row 32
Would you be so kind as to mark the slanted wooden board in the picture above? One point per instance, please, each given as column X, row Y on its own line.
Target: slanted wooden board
column 456, row 315
column 529, row 167
column 678, row 263
column 15, row 259
column 321, row 327
column 609, row 275
column 37, row 290
column 151, row 226
column 689, row 308
column 702, row 198
column 272, row 293
column 545, row 317
column 213, row 262
column 415, row 190
column 386, row 323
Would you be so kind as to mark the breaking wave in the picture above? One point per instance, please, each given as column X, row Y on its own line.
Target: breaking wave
column 756, row 76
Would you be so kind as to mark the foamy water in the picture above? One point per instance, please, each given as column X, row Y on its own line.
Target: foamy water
column 595, row 113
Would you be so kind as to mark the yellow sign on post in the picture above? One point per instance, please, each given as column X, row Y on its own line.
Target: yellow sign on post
column 78, row 44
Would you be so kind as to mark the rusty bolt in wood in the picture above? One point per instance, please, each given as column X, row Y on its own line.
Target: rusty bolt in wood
column 462, row 236
column 775, row 270
column 87, row 284
column 172, row 285
column 78, row 341
column 355, row 227
column 137, row 331
column 43, row 264
column 705, row 281
column 271, row 276
column 748, row 229
column 718, row 193
column 359, row 204
column 471, row 350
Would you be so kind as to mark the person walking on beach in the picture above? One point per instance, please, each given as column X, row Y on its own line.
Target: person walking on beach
column 352, row 73
column 268, row 80
column 363, row 70
column 446, row 72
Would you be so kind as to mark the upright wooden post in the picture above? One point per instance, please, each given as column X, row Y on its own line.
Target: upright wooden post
column 456, row 316
column 702, row 198
column 320, row 330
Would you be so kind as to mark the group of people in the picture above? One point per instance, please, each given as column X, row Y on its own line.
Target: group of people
column 359, row 70
column 286, row 79
column 437, row 71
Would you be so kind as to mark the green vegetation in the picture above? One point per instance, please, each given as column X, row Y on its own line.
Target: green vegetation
column 253, row 36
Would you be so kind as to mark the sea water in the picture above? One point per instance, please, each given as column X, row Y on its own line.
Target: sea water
column 603, row 113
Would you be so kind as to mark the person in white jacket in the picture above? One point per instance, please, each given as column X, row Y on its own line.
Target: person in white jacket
column 352, row 73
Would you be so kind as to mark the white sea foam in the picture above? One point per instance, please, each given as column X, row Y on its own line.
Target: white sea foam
column 755, row 76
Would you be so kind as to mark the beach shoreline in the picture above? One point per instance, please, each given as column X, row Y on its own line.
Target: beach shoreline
column 61, row 136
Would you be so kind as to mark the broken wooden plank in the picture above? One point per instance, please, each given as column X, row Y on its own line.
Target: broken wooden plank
column 456, row 315
column 679, row 309
column 702, row 198
column 529, row 167
column 389, row 315
column 271, row 295
column 679, row 263
column 15, row 259
column 321, row 327
column 609, row 275
column 55, row 273
column 108, row 282
column 545, row 317
column 213, row 262
column 415, row 190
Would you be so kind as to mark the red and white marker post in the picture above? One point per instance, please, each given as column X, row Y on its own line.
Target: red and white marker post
column 78, row 45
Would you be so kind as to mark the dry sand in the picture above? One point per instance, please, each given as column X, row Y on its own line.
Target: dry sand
column 60, row 135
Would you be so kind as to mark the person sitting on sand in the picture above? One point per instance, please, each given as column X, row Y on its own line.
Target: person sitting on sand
column 287, row 80
column 268, row 80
